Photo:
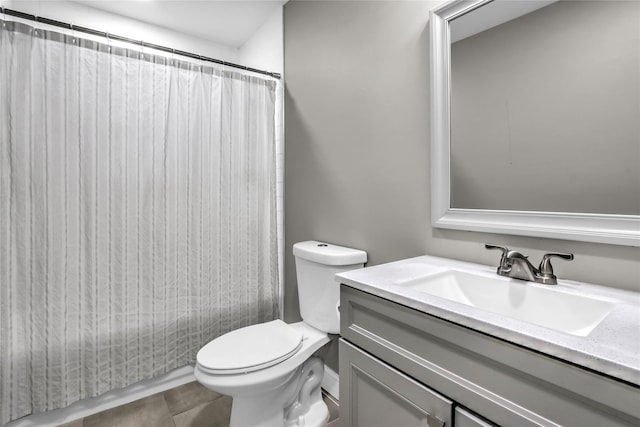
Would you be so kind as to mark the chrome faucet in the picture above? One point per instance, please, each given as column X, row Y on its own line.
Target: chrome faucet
column 515, row 265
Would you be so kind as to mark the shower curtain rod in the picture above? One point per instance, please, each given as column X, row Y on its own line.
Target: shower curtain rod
column 22, row 15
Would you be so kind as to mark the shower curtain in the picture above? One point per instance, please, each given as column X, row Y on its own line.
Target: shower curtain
column 137, row 213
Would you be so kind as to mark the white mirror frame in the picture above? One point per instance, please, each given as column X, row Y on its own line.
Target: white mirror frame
column 588, row 227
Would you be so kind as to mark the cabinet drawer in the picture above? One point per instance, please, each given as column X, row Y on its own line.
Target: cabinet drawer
column 373, row 394
column 507, row 384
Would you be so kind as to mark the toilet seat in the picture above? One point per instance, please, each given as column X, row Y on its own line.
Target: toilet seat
column 250, row 348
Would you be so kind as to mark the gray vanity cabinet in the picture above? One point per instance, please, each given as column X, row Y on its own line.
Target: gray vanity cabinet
column 402, row 367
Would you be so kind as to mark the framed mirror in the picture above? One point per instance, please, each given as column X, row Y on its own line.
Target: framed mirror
column 534, row 118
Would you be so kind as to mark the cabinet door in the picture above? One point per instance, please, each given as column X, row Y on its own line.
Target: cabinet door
column 373, row 394
column 464, row 418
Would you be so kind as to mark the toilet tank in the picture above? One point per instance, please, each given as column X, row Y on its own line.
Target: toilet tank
column 318, row 292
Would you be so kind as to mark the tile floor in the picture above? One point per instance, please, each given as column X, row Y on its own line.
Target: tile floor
column 190, row 405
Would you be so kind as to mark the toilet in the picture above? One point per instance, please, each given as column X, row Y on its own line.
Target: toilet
column 269, row 369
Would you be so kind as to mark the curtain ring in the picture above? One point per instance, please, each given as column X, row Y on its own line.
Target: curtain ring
column 73, row 34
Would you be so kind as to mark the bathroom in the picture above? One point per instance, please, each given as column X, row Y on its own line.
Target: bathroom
column 356, row 163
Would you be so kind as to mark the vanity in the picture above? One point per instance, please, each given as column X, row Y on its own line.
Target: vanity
column 435, row 342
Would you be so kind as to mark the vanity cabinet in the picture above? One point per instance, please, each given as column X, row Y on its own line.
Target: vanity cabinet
column 403, row 367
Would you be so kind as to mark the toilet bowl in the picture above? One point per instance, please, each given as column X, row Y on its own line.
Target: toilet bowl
column 269, row 369
column 265, row 396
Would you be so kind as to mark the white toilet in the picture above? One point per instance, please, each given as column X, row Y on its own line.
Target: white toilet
column 268, row 369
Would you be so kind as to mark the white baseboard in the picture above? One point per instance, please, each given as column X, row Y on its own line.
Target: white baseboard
column 111, row 399
column 331, row 382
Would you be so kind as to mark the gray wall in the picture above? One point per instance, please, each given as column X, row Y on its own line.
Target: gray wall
column 357, row 147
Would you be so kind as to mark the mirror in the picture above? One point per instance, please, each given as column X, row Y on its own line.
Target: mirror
column 534, row 118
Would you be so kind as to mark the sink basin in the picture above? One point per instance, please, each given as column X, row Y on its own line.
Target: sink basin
column 543, row 306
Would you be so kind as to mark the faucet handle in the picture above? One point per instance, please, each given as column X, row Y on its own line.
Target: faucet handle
column 545, row 264
column 492, row 246
column 504, row 250
column 546, row 269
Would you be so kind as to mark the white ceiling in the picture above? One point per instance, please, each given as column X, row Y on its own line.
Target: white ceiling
column 229, row 23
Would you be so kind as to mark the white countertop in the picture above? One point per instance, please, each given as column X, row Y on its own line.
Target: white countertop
column 612, row 348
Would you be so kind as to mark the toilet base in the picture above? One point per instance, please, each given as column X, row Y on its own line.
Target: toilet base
column 317, row 416
column 297, row 402
column 307, row 407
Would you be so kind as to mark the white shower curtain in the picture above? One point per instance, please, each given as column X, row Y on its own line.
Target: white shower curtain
column 137, row 214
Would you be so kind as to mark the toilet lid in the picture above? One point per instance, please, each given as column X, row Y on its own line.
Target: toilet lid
column 250, row 348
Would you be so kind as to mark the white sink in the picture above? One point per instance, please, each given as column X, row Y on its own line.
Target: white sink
column 542, row 305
